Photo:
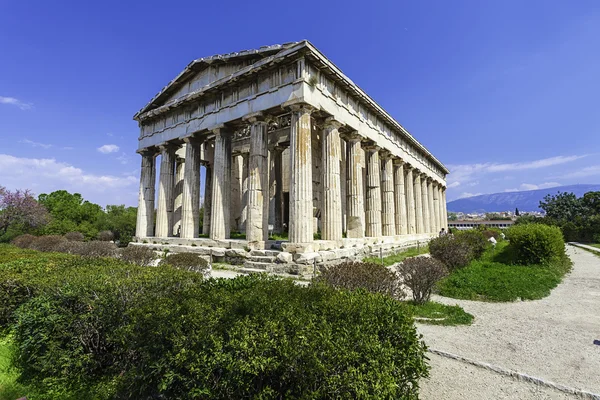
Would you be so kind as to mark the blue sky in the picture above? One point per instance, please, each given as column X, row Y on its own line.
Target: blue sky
column 505, row 93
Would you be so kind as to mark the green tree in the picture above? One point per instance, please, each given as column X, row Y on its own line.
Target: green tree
column 70, row 212
column 120, row 220
column 517, row 214
column 562, row 207
column 591, row 201
column 452, row 216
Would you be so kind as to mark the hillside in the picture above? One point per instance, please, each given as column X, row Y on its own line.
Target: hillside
column 525, row 201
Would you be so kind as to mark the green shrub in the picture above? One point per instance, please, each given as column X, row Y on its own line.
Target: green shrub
column 420, row 274
column 71, row 247
column 105, row 236
column 139, row 255
column 453, row 253
column 46, row 243
column 475, row 240
column 23, row 241
column 372, row 277
column 186, row 261
column 250, row 337
column 536, row 243
column 97, row 248
column 74, row 236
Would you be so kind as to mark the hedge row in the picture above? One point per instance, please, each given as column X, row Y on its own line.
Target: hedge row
column 117, row 330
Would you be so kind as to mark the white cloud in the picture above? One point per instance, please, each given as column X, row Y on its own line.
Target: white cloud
column 16, row 102
column 467, row 194
column 35, row 144
column 123, row 159
column 108, row 148
column 47, row 175
column 453, row 185
column 465, row 173
column 593, row 170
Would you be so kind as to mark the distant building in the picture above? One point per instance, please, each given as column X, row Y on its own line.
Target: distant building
column 470, row 224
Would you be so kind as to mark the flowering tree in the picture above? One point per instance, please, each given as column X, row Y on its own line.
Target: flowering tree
column 19, row 209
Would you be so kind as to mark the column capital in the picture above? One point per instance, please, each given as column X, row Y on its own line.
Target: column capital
column 384, row 154
column 370, row 146
column 332, row 123
column 399, row 161
column 220, row 129
column 257, row 117
column 148, row 151
column 192, row 140
column 353, row 136
column 168, row 146
column 296, row 106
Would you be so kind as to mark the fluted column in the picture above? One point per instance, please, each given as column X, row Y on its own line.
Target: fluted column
column 444, row 209
column 388, row 206
column 278, row 209
column 145, row 212
column 257, row 227
column 332, row 194
column 418, row 202
column 411, row 214
column 373, row 214
column 432, row 222
column 301, row 193
column 354, row 189
column 236, row 192
column 436, row 207
column 244, row 213
column 178, row 202
column 221, row 192
column 190, row 200
column 400, row 198
column 208, row 151
column 166, row 187
column 425, row 199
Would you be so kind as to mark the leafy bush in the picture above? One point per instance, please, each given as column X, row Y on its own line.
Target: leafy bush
column 23, row 241
column 475, row 240
column 120, row 331
column 71, row 247
column 139, row 255
column 536, row 243
column 421, row 274
column 97, row 248
column 492, row 233
column 74, row 236
column 186, row 261
column 46, row 243
column 363, row 275
column 453, row 253
column 105, row 236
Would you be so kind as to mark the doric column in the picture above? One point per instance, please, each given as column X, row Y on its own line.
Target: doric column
column 436, row 207
column 444, row 209
column 278, row 168
column 178, row 202
column 411, row 214
column 166, row 186
column 221, row 192
column 244, row 213
column 257, row 227
column 418, row 202
column 430, row 205
column 208, row 172
column 190, row 200
column 145, row 212
column 301, row 193
column 388, row 205
column 354, row 189
column 236, row 192
column 400, row 198
column 425, row 199
column 373, row 191
column 332, row 194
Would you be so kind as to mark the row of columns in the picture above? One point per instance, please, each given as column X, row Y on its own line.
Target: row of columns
column 400, row 200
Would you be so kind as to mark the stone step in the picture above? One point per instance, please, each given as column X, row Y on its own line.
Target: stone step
column 263, row 259
column 257, row 265
column 264, row 253
column 251, row 270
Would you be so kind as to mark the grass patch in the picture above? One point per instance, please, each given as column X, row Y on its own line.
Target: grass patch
column 596, row 245
column 588, row 250
column 492, row 278
column 398, row 257
column 433, row 313
column 279, row 236
column 237, row 235
column 10, row 389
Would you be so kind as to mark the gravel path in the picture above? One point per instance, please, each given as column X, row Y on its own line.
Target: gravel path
column 552, row 339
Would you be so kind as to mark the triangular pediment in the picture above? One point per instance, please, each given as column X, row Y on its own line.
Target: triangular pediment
column 204, row 71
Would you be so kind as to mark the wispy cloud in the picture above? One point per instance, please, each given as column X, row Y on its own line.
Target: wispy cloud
column 108, row 148
column 467, row 194
column 463, row 174
column 16, row 102
column 36, row 144
column 531, row 186
column 123, row 158
column 593, row 170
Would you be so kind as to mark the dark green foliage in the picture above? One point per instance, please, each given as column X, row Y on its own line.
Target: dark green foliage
column 186, row 261
column 372, row 277
column 46, row 243
column 536, row 243
column 562, row 206
column 475, row 240
column 420, row 274
column 453, row 253
column 433, row 313
column 115, row 330
column 23, row 241
column 120, row 220
column 74, row 236
column 139, row 255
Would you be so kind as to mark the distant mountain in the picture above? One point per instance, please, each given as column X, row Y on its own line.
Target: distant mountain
column 525, row 201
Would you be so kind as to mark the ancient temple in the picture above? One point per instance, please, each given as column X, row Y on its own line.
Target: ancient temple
column 278, row 141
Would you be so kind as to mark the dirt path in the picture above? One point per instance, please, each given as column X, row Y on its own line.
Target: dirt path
column 552, row 339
